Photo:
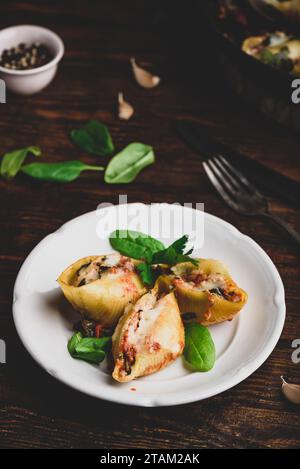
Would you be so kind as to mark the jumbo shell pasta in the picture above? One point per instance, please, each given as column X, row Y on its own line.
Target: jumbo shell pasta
column 100, row 287
column 205, row 293
column 149, row 336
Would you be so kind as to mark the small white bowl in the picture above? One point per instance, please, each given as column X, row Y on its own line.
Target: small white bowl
column 31, row 81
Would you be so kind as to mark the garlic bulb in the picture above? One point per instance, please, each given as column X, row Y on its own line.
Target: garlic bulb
column 125, row 109
column 143, row 77
column 291, row 391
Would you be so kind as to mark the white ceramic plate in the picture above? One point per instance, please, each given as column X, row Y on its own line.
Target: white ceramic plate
column 44, row 320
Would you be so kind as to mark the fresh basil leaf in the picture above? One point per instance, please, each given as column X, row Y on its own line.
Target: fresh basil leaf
column 199, row 351
column 146, row 273
column 135, row 244
column 75, row 339
column 126, row 165
column 94, row 138
column 65, row 171
column 12, row 161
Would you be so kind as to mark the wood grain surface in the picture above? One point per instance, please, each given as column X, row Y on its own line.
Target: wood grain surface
column 36, row 411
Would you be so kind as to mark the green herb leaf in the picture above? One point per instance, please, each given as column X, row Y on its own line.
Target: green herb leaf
column 199, row 351
column 89, row 354
column 180, row 244
column 174, row 253
column 65, row 171
column 171, row 257
column 141, row 246
column 89, row 349
column 126, row 165
column 93, row 138
column 279, row 60
column 135, row 244
column 75, row 339
column 94, row 342
column 147, row 274
column 12, row 161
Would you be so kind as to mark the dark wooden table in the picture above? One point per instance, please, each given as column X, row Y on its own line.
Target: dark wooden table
column 36, row 410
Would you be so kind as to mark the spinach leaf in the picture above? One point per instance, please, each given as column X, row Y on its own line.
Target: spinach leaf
column 126, row 165
column 12, row 161
column 199, row 351
column 89, row 354
column 75, row 339
column 89, row 349
column 94, row 138
column 140, row 238
column 94, row 342
column 174, row 253
column 135, row 244
column 147, row 274
column 279, row 60
column 65, row 171
column 141, row 246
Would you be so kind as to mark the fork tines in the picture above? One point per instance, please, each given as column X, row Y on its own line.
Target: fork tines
column 230, row 183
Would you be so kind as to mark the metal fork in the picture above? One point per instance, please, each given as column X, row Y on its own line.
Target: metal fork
column 240, row 194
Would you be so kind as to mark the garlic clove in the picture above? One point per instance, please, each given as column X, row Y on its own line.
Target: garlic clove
column 291, row 391
column 125, row 109
column 143, row 77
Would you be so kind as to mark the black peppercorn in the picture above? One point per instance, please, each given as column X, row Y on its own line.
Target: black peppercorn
column 23, row 57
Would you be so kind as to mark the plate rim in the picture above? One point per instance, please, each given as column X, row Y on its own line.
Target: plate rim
column 175, row 399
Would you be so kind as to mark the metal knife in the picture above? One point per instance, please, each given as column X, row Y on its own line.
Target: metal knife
column 198, row 138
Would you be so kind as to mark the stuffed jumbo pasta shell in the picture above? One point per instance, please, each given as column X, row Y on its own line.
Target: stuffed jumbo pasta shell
column 205, row 293
column 100, row 287
column 149, row 336
column 276, row 49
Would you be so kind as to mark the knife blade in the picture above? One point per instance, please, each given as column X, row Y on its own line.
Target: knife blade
column 198, row 138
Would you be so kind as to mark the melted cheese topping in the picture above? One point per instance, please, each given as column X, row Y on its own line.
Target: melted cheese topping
column 111, row 260
column 213, row 281
column 147, row 319
column 205, row 282
column 146, row 333
column 94, row 270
